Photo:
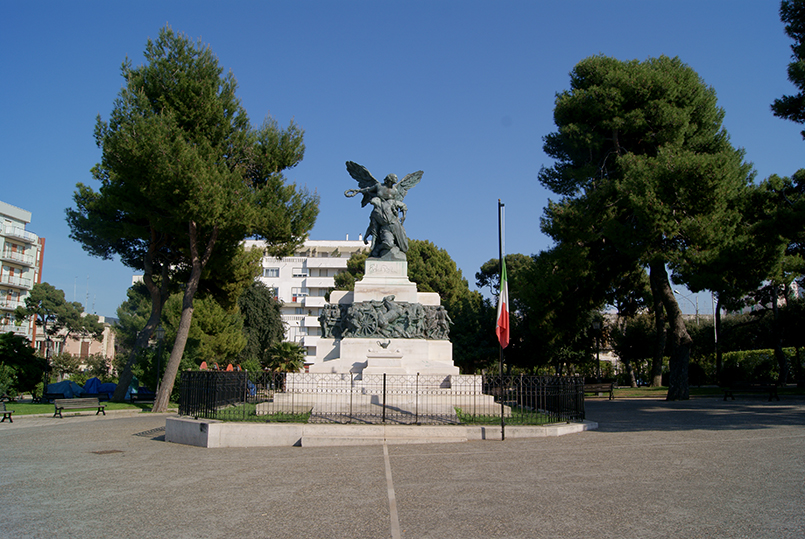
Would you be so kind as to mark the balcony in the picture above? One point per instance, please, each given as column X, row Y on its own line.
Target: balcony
column 17, row 258
column 18, row 232
column 10, row 304
column 311, row 322
column 16, row 282
column 16, row 330
column 293, row 319
column 329, row 263
column 319, row 282
column 313, row 301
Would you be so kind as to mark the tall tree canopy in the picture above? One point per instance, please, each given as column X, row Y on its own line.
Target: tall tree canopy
column 184, row 176
column 57, row 316
column 433, row 270
column 792, row 107
column 647, row 175
column 262, row 322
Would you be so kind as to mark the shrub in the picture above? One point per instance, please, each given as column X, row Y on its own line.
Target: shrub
column 753, row 365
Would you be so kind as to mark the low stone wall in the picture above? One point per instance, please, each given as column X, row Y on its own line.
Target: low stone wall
column 213, row 433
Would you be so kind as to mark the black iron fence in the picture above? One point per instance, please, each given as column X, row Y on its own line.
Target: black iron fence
column 381, row 398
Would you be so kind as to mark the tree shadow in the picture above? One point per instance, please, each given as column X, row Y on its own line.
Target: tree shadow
column 746, row 413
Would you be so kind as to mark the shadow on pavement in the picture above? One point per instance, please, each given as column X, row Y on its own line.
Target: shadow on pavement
column 631, row 415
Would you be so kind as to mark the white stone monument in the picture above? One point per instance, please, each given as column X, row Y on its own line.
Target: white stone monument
column 374, row 353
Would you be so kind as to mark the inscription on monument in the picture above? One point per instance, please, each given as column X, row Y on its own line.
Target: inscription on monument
column 378, row 267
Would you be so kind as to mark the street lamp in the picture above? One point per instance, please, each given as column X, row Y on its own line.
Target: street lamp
column 597, row 329
column 696, row 305
column 48, row 368
column 160, row 334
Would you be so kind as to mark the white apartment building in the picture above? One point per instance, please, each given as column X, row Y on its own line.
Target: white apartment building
column 301, row 282
column 21, row 256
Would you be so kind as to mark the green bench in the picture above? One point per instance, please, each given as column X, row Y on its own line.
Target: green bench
column 749, row 387
column 78, row 404
column 6, row 414
column 606, row 387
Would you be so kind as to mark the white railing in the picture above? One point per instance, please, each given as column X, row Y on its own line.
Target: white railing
column 19, row 258
column 16, row 281
column 19, row 232
column 11, row 304
column 11, row 328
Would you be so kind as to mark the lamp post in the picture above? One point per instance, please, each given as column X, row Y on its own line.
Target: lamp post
column 48, row 368
column 160, row 333
column 696, row 305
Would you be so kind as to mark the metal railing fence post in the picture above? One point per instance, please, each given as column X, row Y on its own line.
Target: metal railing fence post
column 416, row 400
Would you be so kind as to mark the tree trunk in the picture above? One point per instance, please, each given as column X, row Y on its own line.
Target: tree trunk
column 630, row 371
column 678, row 388
column 659, row 328
column 159, row 294
column 172, row 368
column 627, row 363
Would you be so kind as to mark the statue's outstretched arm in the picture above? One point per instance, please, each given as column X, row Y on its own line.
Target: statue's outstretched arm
column 352, row 192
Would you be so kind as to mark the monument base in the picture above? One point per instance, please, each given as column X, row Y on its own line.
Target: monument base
column 424, row 349
column 399, row 356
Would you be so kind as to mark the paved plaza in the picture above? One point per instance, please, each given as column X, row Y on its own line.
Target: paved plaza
column 701, row 468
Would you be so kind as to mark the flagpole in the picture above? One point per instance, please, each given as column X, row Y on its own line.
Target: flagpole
column 501, row 210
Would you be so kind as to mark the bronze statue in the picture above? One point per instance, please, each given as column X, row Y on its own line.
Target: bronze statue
column 389, row 241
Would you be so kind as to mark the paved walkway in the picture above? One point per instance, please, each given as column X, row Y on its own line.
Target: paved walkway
column 701, row 468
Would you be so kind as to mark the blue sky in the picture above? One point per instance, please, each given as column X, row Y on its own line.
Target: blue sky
column 461, row 89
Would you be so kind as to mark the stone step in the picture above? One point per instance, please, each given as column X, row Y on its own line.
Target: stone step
column 335, row 435
column 326, row 441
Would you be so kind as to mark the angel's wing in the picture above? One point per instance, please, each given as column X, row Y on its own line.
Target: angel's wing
column 364, row 178
column 360, row 173
column 408, row 182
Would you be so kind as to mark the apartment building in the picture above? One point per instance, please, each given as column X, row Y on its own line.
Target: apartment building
column 302, row 281
column 21, row 256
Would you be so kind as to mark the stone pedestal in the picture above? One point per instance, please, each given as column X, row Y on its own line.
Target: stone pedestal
column 378, row 355
column 401, row 356
column 385, row 278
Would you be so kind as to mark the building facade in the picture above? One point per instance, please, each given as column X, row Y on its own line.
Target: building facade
column 21, row 257
column 82, row 346
column 302, row 281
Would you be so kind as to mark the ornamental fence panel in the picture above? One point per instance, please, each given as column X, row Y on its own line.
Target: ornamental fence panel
column 381, row 398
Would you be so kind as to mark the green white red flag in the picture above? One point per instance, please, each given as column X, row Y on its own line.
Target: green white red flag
column 502, row 328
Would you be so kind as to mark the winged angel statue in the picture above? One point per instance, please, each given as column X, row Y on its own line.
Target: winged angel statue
column 389, row 241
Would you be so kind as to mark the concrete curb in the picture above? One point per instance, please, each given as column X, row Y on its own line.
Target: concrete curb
column 213, row 433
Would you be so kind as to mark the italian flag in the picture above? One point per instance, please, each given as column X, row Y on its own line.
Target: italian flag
column 502, row 328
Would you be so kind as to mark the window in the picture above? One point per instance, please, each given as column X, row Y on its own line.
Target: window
column 271, row 272
column 297, row 293
column 300, row 272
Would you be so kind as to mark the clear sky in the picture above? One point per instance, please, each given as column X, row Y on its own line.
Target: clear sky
column 461, row 89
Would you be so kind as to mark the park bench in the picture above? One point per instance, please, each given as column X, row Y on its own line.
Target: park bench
column 605, row 387
column 78, row 404
column 6, row 414
column 749, row 387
